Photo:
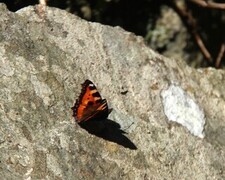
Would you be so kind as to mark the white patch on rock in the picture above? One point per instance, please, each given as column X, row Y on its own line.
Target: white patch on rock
column 41, row 89
column 181, row 108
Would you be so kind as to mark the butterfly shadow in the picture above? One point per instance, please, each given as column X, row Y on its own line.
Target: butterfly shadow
column 108, row 130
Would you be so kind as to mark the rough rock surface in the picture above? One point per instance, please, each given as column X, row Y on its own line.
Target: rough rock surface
column 43, row 61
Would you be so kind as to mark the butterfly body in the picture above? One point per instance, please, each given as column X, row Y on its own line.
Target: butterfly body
column 90, row 105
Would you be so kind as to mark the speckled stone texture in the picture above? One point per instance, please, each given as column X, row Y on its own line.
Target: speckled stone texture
column 43, row 61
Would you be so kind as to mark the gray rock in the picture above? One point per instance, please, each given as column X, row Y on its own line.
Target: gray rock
column 44, row 59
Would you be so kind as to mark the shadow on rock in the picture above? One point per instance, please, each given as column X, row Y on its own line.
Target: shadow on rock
column 108, row 130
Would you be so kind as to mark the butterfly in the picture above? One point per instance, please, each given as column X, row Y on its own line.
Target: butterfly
column 90, row 106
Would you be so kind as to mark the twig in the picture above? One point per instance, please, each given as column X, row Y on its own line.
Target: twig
column 41, row 8
column 43, row 2
column 209, row 4
column 192, row 25
column 220, row 55
column 202, row 47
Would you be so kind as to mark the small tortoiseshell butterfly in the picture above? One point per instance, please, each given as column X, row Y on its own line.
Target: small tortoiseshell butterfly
column 90, row 105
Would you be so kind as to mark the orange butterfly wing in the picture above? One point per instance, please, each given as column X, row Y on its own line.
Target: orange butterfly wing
column 90, row 105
